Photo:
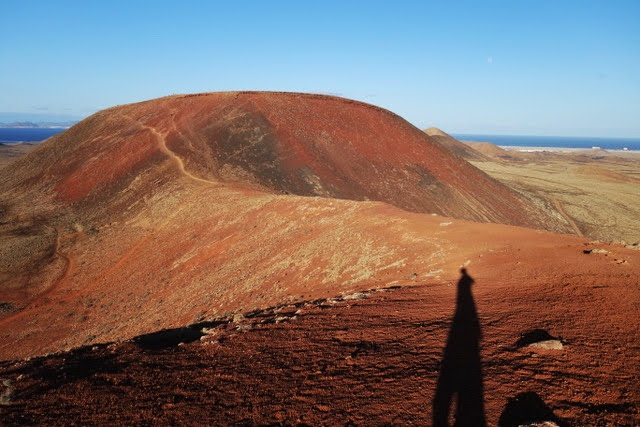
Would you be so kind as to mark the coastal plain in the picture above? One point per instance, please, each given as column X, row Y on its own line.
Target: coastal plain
column 598, row 194
column 593, row 192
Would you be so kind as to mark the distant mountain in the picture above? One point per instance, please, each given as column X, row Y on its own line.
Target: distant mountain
column 37, row 120
column 32, row 125
column 455, row 146
column 19, row 125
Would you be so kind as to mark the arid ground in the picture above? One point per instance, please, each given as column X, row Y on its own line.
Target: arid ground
column 278, row 258
column 597, row 193
column 11, row 152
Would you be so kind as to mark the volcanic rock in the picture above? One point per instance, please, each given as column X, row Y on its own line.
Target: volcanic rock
column 547, row 345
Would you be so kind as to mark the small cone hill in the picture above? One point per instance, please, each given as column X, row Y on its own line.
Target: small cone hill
column 459, row 148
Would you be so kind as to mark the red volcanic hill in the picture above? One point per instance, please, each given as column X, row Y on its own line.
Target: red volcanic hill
column 166, row 204
column 283, row 143
column 195, row 210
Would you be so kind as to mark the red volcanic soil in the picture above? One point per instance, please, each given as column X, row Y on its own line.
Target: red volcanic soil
column 196, row 210
column 377, row 357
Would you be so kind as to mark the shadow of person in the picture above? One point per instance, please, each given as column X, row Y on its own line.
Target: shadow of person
column 460, row 369
column 528, row 408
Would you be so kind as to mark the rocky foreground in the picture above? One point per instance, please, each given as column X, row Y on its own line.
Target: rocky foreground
column 544, row 344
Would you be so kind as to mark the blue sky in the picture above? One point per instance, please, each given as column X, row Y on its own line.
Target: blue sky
column 516, row 67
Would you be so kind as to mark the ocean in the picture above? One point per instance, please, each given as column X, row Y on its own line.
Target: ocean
column 553, row 141
column 13, row 135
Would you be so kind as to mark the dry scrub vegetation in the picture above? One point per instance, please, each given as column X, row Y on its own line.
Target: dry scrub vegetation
column 598, row 195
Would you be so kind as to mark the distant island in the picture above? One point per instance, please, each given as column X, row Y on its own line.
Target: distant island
column 39, row 125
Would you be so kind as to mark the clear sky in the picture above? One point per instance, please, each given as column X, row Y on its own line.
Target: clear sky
column 511, row 67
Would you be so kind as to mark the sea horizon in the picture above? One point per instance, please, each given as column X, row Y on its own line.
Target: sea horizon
column 553, row 141
column 20, row 135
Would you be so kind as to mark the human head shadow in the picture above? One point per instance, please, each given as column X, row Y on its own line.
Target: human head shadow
column 460, row 368
column 527, row 408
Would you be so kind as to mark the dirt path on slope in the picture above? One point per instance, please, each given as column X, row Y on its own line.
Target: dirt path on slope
column 69, row 264
column 66, row 272
column 564, row 214
column 162, row 142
